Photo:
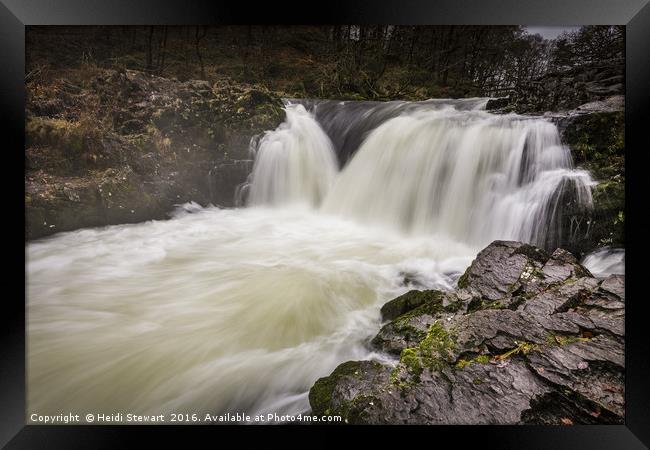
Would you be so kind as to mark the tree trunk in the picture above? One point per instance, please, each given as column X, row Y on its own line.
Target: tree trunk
column 162, row 52
column 200, row 33
column 149, row 51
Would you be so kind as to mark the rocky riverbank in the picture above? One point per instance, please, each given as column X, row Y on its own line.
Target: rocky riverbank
column 527, row 337
column 108, row 146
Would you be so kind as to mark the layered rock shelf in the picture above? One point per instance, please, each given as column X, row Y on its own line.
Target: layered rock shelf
column 527, row 337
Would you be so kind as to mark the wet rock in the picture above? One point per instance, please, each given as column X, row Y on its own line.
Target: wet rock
column 497, row 103
column 409, row 301
column 225, row 177
column 614, row 284
column 341, row 388
column 414, row 313
column 596, row 138
column 502, row 269
column 527, row 338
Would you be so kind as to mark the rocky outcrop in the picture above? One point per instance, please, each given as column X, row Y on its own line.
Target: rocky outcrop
column 125, row 146
column 568, row 89
column 500, row 103
column 528, row 337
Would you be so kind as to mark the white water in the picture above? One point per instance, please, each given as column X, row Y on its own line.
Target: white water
column 473, row 176
column 215, row 311
column 295, row 163
column 605, row 261
column 459, row 172
column 242, row 310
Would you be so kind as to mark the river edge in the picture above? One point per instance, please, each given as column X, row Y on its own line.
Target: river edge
column 527, row 338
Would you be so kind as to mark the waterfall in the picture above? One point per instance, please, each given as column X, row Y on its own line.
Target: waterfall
column 349, row 204
column 295, row 163
column 440, row 167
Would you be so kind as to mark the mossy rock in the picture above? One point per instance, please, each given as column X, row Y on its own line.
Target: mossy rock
column 409, row 301
column 463, row 281
column 597, row 141
column 532, row 252
column 397, row 335
column 322, row 395
column 478, row 304
column 601, row 131
column 434, row 352
column 608, row 222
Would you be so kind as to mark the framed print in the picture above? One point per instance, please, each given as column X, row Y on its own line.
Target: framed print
column 416, row 214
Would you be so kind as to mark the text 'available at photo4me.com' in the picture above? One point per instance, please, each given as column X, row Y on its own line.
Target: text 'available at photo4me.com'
column 177, row 418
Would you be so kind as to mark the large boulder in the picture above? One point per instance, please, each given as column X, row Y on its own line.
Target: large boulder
column 527, row 337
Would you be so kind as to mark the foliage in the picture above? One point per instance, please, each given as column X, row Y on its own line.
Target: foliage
column 588, row 45
column 344, row 61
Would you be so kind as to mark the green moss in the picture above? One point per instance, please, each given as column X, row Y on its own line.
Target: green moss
column 477, row 381
column 608, row 227
column 532, row 252
column 562, row 340
column 411, row 360
column 432, row 307
column 597, row 142
column 436, row 349
column 594, row 137
column 320, row 395
column 434, row 352
column 524, row 347
column 352, row 411
column 463, row 281
column 394, row 376
column 478, row 304
column 412, row 300
column 401, row 327
column 537, row 272
column 462, row 363
column 482, row 359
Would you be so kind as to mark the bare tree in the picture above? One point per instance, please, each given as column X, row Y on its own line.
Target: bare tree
column 150, row 50
column 200, row 34
column 162, row 49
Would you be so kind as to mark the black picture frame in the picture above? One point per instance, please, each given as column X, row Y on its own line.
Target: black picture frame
column 635, row 14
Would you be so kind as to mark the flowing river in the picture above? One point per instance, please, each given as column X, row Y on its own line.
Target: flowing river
column 349, row 205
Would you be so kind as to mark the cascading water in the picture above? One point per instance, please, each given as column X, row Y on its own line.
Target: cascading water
column 294, row 164
column 348, row 123
column 436, row 167
column 241, row 310
column 605, row 261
